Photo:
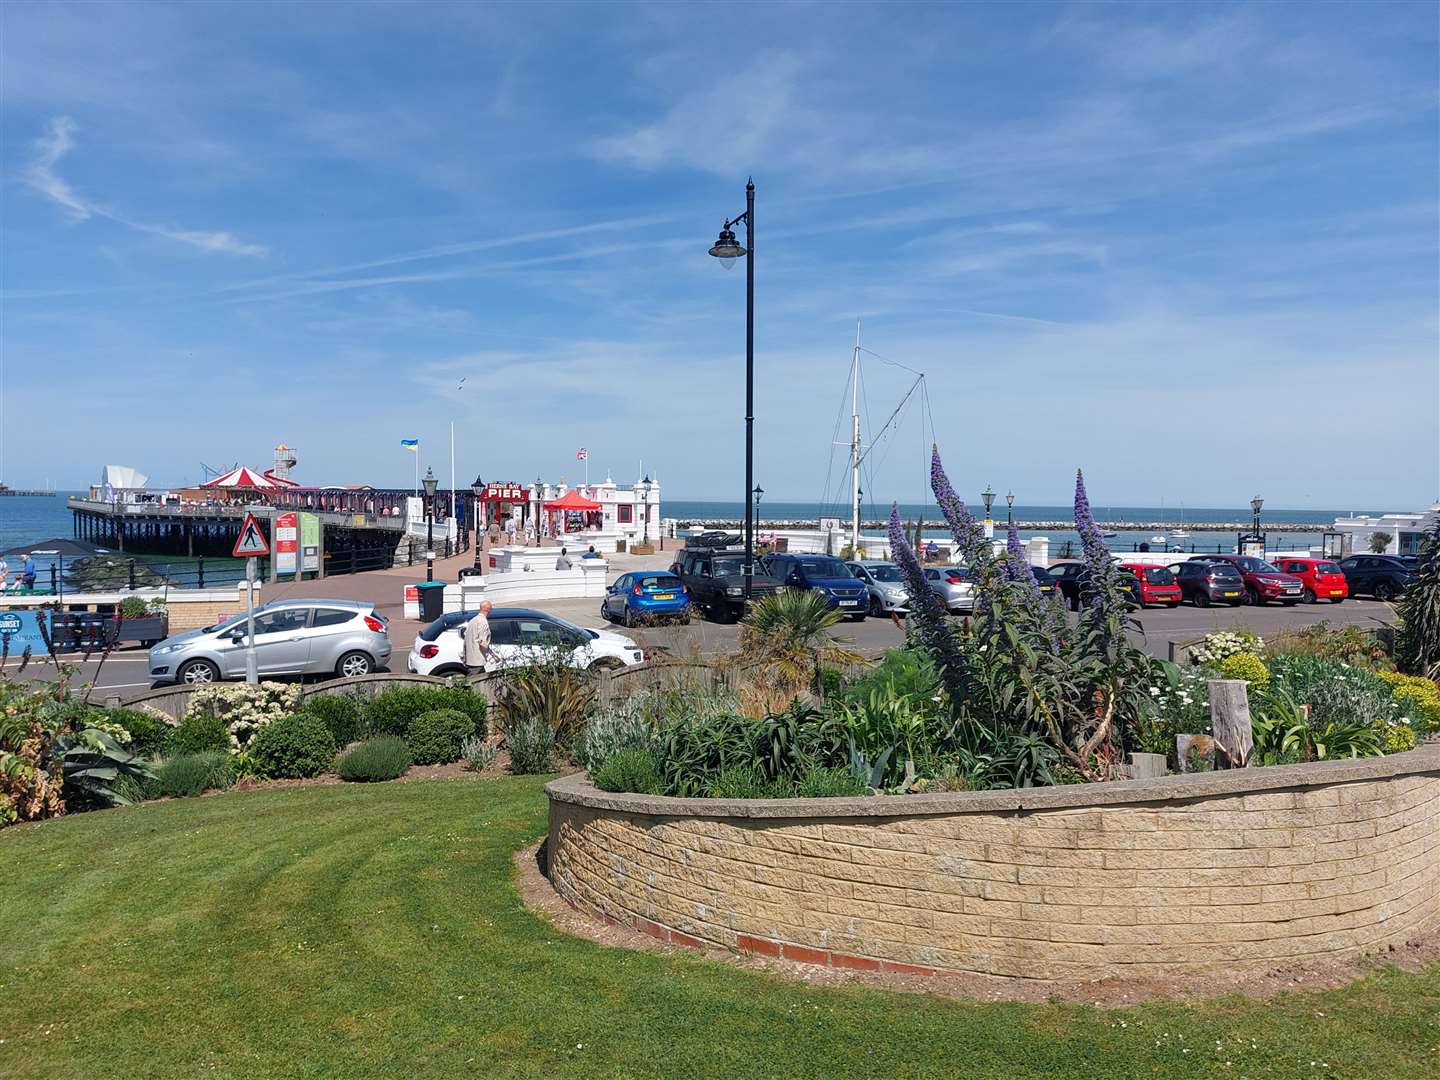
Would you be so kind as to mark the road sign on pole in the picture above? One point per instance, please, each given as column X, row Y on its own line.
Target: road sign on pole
column 252, row 674
column 251, row 542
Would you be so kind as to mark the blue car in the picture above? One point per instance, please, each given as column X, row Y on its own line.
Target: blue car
column 646, row 596
column 827, row 575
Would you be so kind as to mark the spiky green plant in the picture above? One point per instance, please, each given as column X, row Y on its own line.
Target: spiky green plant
column 1417, row 648
column 787, row 638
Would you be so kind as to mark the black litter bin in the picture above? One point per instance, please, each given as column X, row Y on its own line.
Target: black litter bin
column 432, row 600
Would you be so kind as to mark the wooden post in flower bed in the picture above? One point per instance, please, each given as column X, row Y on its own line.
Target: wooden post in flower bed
column 1230, row 722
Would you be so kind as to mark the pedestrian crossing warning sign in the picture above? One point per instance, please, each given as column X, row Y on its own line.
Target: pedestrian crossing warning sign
column 251, row 541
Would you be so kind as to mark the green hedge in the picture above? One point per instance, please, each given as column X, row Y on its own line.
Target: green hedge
column 149, row 735
column 191, row 774
column 293, row 747
column 197, row 733
column 390, row 712
column 342, row 714
column 435, row 737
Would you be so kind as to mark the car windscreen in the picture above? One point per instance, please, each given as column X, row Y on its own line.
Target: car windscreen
column 660, row 582
column 1159, row 575
column 734, row 565
column 822, row 567
column 1222, row 570
column 885, row 573
column 1256, row 566
column 228, row 624
column 1328, row 568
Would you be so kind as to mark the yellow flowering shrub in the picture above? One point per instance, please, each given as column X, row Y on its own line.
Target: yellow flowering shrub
column 1247, row 666
column 1418, row 697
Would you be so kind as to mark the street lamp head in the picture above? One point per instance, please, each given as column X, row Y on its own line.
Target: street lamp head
column 430, row 483
column 1010, row 499
column 727, row 249
column 988, row 497
column 1256, row 503
column 644, row 488
column 478, row 487
column 759, row 494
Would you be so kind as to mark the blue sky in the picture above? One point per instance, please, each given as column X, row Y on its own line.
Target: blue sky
column 1191, row 248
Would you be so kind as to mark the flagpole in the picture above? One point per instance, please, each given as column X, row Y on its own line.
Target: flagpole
column 417, row 470
column 452, row 526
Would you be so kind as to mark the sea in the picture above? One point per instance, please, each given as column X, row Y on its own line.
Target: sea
column 26, row 519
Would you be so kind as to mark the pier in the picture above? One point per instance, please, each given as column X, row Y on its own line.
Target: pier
column 360, row 530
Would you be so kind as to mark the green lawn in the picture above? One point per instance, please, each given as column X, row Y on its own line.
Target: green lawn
column 373, row 931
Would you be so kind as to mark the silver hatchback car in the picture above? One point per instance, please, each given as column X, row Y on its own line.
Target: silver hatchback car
column 292, row 637
column 885, row 584
column 955, row 587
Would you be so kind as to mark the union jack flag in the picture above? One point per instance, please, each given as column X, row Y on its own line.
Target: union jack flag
column 581, row 454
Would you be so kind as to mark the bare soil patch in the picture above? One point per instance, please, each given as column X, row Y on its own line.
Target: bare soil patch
column 1414, row 955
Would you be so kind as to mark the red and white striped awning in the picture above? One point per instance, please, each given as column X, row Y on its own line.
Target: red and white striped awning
column 243, row 478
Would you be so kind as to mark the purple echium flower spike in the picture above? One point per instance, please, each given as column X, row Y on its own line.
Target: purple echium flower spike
column 1090, row 538
column 927, row 618
column 969, row 534
column 1017, row 564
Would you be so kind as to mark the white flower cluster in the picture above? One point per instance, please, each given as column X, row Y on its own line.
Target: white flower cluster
column 1215, row 647
column 109, row 727
column 1186, row 707
column 245, row 709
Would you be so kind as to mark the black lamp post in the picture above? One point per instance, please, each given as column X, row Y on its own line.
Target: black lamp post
column 430, row 483
column 757, row 493
column 727, row 250
column 1009, row 508
column 643, row 490
column 988, row 498
column 1255, row 504
column 477, row 489
column 539, row 505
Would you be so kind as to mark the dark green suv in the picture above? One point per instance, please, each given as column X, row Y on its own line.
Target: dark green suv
column 715, row 578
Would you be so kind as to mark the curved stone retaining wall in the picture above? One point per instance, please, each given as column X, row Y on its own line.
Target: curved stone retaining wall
column 1250, row 868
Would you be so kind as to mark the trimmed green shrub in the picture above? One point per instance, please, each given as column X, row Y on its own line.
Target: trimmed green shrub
column 747, row 782
column 434, row 737
column 532, row 747
column 819, row 783
column 1247, row 666
column 462, row 699
column 390, row 712
column 629, row 769
column 190, row 774
column 296, row 746
column 149, row 735
column 341, row 713
column 197, row 733
column 383, row 758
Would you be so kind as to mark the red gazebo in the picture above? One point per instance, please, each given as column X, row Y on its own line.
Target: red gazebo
column 572, row 502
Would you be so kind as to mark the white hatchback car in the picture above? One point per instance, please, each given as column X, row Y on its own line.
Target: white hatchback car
column 519, row 636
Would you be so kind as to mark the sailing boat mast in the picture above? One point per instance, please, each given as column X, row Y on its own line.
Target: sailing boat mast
column 855, row 447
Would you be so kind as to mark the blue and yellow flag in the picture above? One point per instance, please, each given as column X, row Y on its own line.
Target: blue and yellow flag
column 413, row 445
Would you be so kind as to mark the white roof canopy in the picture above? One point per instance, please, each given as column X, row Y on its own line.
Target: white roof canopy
column 123, row 477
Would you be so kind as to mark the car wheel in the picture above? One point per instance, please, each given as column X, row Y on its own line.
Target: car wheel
column 1308, row 596
column 1253, row 598
column 1384, row 591
column 1202, row 599
column 876, row 608
column 354, row 664
column 198, row 673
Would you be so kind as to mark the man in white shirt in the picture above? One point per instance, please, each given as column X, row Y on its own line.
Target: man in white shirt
column 480, row 655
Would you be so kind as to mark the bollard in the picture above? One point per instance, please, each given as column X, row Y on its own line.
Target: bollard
column 201, row 567
column 132, row 575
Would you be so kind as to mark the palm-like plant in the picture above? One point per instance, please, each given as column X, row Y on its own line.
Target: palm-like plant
column 787, row 637
column 1418, row 646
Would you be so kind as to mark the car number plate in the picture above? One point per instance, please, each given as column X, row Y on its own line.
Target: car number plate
column 849, row 603
column 1232, row 594
column 663, row 596
column 1337, row 592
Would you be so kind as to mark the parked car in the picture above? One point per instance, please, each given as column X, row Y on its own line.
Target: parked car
column 1323, row 578
column 1263, row 582
column 519, row 636
column 954, row 585
column 1204, row 583
column 646, row 596
column 1381, row 576
column 1044, row 581
column 292, row 637
column 1066, row 577
column 826, row 575
column 715, row 579
column 885, row 585
column 1154, row 585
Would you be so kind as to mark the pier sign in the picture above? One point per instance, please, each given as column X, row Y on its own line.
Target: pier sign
column 287, row 536
column 251, row 542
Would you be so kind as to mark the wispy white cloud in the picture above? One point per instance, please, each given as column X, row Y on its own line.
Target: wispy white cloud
column 41, row 176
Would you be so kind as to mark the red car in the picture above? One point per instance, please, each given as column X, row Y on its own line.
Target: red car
column 1157, row 584
column 1323, row 578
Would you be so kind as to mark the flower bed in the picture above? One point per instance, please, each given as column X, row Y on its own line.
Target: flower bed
column 1243, row 868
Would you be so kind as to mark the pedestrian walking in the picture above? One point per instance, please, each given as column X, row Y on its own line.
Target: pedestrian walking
column 563, row 562
column 510, row 525
column 27, row 573
column 480, row 655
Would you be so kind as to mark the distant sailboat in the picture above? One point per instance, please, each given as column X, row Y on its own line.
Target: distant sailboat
column 1181, row 533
